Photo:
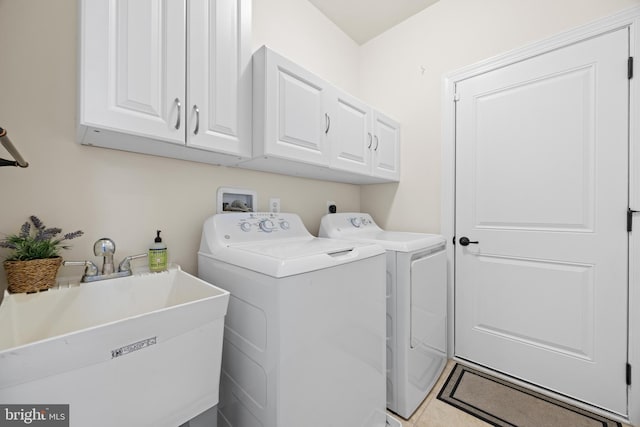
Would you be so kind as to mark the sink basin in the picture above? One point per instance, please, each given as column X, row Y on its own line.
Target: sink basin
column 138, row 350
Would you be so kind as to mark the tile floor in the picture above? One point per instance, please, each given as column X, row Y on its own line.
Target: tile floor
column 435, row 413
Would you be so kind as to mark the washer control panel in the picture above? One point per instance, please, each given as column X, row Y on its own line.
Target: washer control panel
column 266, row 223
column 359, row 220
column 352, row 223
column 254, row 226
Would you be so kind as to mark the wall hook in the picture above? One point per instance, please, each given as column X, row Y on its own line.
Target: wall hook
column 8, row 145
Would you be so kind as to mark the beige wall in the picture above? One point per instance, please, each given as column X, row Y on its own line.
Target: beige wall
column 449, row 35
column 296, row 30
column 128, row 196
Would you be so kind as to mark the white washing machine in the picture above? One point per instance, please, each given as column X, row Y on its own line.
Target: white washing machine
column 416, row 305
column 304, row 341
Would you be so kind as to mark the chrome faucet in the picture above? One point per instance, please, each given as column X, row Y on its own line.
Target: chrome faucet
column 105, row 248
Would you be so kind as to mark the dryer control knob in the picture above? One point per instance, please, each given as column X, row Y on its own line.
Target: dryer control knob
column 356, row 222
column 245, row 226
column 267, row 225
column 284, row 225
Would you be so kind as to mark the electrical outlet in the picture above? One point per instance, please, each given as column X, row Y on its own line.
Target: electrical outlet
column 330, row 203
column 274, row 205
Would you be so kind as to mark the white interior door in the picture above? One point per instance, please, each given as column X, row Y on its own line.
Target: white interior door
column 542, row 187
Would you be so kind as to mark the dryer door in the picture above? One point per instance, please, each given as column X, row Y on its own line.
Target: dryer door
column 429, row 302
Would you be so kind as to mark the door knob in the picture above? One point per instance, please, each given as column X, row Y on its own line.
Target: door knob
column 464, row 241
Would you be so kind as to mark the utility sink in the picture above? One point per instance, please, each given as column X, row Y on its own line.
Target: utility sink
column 142, row 350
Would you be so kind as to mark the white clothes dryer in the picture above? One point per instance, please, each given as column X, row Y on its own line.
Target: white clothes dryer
column 416, row 305
column 304, row 340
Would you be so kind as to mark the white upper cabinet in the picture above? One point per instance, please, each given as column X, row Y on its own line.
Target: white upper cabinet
column 351, row 133
column 363, row 140
column 305, row 126
column 132, row 67
column 289, row 111
column 385, row 147
column 219, row 69
column 167, row 76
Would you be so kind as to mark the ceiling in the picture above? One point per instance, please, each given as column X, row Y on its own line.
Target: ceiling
column 363, row 20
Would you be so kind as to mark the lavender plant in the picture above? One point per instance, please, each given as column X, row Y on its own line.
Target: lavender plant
column 35, row 241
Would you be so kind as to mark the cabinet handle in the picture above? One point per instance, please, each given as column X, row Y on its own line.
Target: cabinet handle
column 328, row 121
column 377, row 142
column 197, row 111
column 370, row 140
column 177, row 102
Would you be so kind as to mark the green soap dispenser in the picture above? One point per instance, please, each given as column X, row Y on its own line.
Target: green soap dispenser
column 158, row 254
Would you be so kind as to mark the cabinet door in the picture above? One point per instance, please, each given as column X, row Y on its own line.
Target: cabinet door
column 132, row 67
column 295, row 114
column 386, row 147
column 219, row 83
column 350, row 134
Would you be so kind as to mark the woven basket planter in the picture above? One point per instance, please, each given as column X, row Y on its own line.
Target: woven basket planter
column 33, row 275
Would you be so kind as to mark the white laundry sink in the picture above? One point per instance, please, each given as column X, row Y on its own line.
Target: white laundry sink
column 139, row 350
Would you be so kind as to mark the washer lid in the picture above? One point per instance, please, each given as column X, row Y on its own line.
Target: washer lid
column 296, row 256
column 362, row 228
column 295, row 248
column 400, row 241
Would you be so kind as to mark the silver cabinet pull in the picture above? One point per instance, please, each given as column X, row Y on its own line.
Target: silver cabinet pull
column 377, row 142
column 370, row 140
column 197, row 111
column 177, row 102
column 328, row 122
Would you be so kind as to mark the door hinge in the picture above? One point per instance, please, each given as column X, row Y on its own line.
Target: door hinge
column 456, row 97
column 630, row 213
column 628, row 373
column 630, row 67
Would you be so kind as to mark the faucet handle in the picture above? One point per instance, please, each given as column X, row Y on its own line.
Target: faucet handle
column 125, row 264
column 105, row 248
column 90, row 269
